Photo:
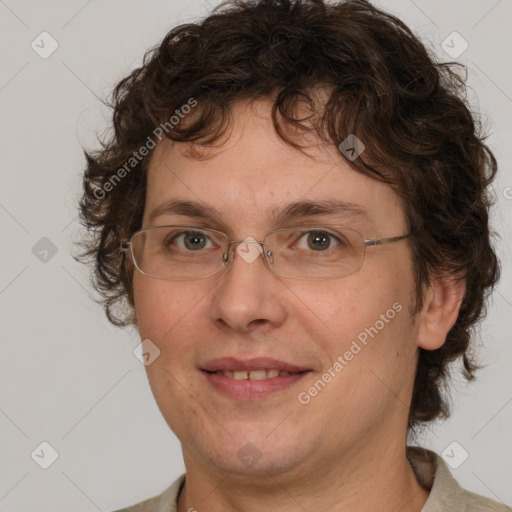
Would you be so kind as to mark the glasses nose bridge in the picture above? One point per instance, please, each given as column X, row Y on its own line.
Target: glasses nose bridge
column 228, row 257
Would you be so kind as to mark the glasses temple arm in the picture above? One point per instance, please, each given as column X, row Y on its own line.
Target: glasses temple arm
column 382, row 241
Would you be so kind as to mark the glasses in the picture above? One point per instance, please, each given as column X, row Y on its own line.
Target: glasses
column 180, row 253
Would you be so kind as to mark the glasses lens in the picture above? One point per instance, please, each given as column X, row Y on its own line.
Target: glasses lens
column 179, row 252
column 316, row 252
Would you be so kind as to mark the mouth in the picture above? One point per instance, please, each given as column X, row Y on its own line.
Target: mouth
column 251, row 379
column 253, row 374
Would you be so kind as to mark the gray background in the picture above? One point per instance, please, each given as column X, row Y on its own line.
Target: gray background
column 71, row 379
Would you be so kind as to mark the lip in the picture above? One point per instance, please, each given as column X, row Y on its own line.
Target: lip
column 247, row 390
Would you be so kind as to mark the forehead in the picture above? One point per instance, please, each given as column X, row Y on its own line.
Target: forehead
column 253, row 176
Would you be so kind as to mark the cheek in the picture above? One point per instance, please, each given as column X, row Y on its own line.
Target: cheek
column 151, row 303
column 164, row 308
column 369, row 309
column 339, row 311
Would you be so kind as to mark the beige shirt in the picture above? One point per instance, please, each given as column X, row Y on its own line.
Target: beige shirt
column 430, row 469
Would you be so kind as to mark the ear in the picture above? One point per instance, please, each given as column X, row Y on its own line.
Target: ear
column 440, row 311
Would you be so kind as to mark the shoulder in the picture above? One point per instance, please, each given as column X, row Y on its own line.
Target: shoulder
column 445, row 492
column 477, row 503
column 150, row 505
column 165, row 502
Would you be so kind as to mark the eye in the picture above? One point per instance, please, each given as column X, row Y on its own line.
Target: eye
column 318, row 241
column 189, row 240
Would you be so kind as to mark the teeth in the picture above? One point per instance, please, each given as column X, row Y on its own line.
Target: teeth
column 254, row 374
column 258, row 375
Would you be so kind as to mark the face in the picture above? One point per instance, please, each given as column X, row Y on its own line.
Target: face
column 354, row 334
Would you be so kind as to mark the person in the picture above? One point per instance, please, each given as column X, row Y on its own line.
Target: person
column 293, row 211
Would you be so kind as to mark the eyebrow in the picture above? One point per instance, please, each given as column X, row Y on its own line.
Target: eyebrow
column 278, row 215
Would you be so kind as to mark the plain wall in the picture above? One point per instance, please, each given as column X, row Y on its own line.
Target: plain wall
column 71, row 379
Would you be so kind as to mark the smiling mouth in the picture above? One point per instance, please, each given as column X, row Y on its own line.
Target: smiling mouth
column 253, row 374
column 251, row 385
column 251, row 379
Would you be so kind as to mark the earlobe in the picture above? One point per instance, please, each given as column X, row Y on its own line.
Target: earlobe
column 440, row 311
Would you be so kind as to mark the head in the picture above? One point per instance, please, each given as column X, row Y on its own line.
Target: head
column 248, row 111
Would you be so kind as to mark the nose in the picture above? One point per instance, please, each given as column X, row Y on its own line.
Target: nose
column 248, row 296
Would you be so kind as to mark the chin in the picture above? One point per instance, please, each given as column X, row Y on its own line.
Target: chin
column 256, row 453
column 248, row 462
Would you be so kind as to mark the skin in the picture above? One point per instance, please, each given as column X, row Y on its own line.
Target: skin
column 345, row 449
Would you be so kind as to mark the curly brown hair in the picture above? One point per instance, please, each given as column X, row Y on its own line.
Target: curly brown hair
column 384, row 86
